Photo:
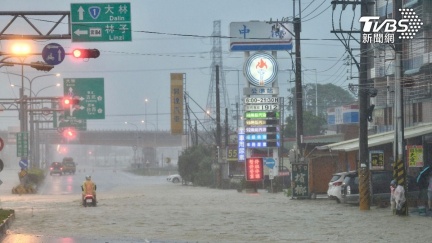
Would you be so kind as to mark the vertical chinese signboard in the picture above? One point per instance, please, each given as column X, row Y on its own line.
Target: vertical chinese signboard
column 241, row 145
column 22, row 144
column 415, row 155
column 254, row 169
column 176, row 103
column 300, row 177
column 376, row 157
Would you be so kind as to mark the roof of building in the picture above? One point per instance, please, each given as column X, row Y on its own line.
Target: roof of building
column 378, row 139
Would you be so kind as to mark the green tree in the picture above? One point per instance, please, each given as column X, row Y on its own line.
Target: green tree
column 194, row 165
column 329, row 95
column 312, row 125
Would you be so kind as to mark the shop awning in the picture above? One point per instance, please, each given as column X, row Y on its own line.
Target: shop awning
column 378, row 139
column 411, row 72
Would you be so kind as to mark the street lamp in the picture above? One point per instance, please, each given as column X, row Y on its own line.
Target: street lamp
column 238, row 94
column 31, row 80
column 316, row 90
column 154, row 138
column 22, row 51
column 37, row 93
column 145, row 112
column 31, row 93
column 136, row 140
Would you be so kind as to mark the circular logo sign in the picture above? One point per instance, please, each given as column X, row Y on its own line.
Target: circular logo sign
column 261, row 69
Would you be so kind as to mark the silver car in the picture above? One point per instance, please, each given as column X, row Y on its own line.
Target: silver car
column 176, row 178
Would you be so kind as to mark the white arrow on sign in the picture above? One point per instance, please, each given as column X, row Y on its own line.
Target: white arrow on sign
column 81, row 13
column 79, row 32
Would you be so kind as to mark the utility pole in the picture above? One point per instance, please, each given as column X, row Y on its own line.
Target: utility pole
column 399, row 152
column 218, row 125
column 298, row 87
column 363, row 170
column 218, row 129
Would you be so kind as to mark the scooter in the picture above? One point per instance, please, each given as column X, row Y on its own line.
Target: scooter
column 88, row 200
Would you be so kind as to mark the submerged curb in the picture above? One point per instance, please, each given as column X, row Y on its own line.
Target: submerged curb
column 4, row 226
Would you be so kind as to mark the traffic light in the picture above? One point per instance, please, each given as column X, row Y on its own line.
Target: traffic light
column 68, row 102
column 86, row 53
column 69, row 133
column 41, row 66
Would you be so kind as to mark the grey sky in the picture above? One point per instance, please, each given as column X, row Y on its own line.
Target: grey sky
column 139, row 70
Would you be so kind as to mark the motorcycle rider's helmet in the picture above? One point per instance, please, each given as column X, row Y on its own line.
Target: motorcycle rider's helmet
column 393, row 183
column 88, row 177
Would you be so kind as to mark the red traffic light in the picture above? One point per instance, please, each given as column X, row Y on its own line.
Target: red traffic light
column 86, row 53
column 68, row 102
column 69, row 133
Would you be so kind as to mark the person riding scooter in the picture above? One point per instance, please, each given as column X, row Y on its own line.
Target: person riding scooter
column 88, row 188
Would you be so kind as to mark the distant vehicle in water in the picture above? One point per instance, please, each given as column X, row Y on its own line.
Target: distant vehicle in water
column 69, row 165
column 176, row 178
column 56, row 168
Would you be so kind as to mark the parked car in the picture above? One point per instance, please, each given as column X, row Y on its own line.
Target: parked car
column 69, row 165
column 380, row 188
column 335, row 185
column 176, row 178
column 56, row 168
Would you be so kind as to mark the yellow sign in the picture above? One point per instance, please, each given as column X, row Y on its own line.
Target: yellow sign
column 176, row 103
column 415, row 155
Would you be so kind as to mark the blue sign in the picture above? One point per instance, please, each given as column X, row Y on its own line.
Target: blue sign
column 23, row 163
column 241, row 145
column 270, row 162
column 53, row 54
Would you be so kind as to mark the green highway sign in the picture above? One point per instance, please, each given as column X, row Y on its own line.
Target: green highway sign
column 101, row 22
column 90, row 92
column 22, row 144
column 102, row 32
column 78, row 124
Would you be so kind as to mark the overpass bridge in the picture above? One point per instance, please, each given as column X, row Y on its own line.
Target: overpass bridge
column 145, row 144
column 106, row 137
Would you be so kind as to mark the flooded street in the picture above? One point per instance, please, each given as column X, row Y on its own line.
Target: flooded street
column 145, row 209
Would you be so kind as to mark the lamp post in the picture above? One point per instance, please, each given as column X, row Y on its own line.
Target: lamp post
column 154, row 137
column 21, row 51
column 238, row 95
column 37, row 93
column 145, row 112
column 316, row 90
column 136, row 140
column 31, row 93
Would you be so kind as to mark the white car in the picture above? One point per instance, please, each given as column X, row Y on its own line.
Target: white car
column 176, row 178
column 335, row 186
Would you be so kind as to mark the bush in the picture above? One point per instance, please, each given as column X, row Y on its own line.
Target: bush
column 36, row 176
column 5, row 213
